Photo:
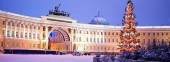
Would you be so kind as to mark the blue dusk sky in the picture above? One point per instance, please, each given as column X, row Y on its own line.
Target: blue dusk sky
column 148, row 12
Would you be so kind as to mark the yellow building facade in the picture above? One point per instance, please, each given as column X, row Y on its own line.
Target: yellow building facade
column 30, row 33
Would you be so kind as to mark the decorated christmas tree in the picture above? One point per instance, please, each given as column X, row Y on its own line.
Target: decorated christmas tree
column 129, row 34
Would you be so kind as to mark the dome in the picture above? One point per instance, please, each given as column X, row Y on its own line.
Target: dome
column 99, row 20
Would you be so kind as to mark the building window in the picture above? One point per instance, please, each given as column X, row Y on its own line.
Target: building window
column 143, row 33
column 18, row 24
column 26, row 26
column 138, row 39
column 162, row 34
column 112, row 33
column 158, row 34
column 116, row 40
column 79, row 39
column 90, row 39
column 101, row 33
column 97, row 40
column 44, row 28
column 38, row 36
column 34, row 27
column 101, row 40
column 25, row 35
column 149, row 41
column 154, row 34
column 34, row 35
column 148, row 34
column 17, row 36
column 108, row 48
column 3, row 22
column 112, row 40
column 13, row 24
column 8, row 32
column 22, row 25
column 38, row 28
column 108, row 39
column 80, row 32
column 143, row 41
column 166, row 33
column 116, row 33
column 105, row 40
column 21, row 34
column 162, row 39
column 9, row 23
column 30, row 36
column 30, row 26
column 94, row 40
column 108, row 33
column 158, row 41
column 12, row 33
column 3, row 32
column 105, row 33
column 87, row 39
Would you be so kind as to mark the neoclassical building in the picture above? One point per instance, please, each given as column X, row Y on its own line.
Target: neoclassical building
column 59, row 32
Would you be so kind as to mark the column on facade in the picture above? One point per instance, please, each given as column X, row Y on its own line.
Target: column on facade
column 28, row 31
column 15, row 24
column 41, row 32
column 20, row 30
column 36, row 32
column 40, row 35
column 32, row 31
column 6, row 29
column 10, row 31
column 24, row 31
column 71, row 40
column 46, row 32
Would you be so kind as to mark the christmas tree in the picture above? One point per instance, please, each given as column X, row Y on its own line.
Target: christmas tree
column 129, row 34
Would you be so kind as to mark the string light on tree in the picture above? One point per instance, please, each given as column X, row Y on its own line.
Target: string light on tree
column 129, row 34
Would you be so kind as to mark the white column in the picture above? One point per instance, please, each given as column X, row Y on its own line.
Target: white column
column 19, row 31
column 28, row 31
column 15, row 29
column 41, row 33
column 6, row 29
column 24, row 31
column 32, row 29
column 46, row 32
column 10, row 31
column 36, row 32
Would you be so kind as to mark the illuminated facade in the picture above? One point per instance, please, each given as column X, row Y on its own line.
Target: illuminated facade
column 24, row 32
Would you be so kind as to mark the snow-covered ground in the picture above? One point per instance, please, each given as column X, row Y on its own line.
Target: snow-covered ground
column 44, row 58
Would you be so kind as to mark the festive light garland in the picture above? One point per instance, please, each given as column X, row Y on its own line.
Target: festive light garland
column 129, row 34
